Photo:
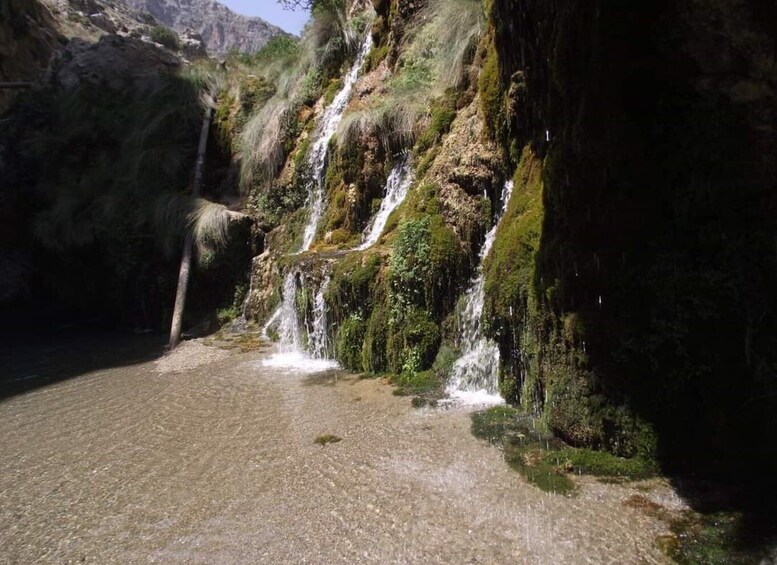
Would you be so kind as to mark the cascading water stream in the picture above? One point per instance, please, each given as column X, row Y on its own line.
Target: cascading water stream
column 291, row 352
column 318, row 152
column 397, row 186
column 317, row 334
column 475, row 375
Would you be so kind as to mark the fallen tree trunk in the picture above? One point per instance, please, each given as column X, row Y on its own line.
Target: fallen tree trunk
column 186, row 260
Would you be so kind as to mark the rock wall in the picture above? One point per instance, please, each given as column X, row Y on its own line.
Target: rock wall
column 221, row 28
column 647, row 299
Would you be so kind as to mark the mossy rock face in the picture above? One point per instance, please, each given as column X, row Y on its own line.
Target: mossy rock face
column 492, row 100
column 412, row 342
column 350, row 342
column 543, row 459
column 375, row 351
column 658, row 240
column 443, row 113
column 354, row 178
column 426, row 265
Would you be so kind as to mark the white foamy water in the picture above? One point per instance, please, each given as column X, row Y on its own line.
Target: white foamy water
column 397, row 186
column 299, row 362
column 291, row 353
column 318, row 152
column 476, row 398
column 475, row 375
column 318, row 337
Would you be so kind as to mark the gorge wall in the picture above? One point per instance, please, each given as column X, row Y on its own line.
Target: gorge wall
column 650, row 289
column 630, row 287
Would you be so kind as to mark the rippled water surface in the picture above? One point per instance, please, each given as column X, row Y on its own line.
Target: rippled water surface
column 217, row 464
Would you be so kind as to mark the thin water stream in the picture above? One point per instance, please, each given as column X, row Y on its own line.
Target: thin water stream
column 397, row 186
column 317, row 157
column 475, row 375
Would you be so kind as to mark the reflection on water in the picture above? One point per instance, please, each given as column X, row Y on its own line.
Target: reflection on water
column 218, row 464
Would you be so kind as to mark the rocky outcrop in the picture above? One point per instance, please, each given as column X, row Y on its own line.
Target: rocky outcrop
column 27, row 39
column 468, row 167
column 112, row 61
column 221, row 28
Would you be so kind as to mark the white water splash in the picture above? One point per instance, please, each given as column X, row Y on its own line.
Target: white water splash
column 289, row 339
column 397, row 186
column 475, row 375
column 318, row 152
column 291, row 354
column 318, row 336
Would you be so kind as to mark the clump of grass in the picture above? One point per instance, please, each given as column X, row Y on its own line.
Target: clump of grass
column 301, row 72
column 326, row 439
column 439, row 50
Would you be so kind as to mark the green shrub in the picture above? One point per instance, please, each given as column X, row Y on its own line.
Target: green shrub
column 165, row 36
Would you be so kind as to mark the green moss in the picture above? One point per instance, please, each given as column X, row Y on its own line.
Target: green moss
column 713, row 539
column 374, row 353
column 326, row 439
column 334, row 86
column 443, row 113
column 494, row 423
column 426, row 162
column 509, row 268
column 345, row 191
column 491, row 94
column 415, row 384
column 545, row 460
column 353, row 285
column 376, row 56
column 602, row 463
column 349, row 343
column 302, row 151
column 412, row 342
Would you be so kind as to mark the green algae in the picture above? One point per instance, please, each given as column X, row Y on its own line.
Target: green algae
column 543, row 459
column 326, row 439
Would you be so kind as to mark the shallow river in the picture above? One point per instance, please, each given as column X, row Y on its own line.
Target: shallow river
column 210, row 458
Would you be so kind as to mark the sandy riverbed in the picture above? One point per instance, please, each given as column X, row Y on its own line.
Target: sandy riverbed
column 217, row 464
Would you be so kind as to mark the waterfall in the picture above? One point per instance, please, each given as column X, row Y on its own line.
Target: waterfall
column 317, row 156
column 475, row 375
column 288, row 327
column 397, row 186
column 291, row 352
column 318, row 342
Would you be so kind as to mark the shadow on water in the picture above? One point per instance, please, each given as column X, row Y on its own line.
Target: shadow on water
column 35, row 357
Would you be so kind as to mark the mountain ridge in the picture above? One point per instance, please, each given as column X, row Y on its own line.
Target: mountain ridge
column 222, row 29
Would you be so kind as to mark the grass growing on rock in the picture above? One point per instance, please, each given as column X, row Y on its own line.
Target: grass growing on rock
column 545, row 461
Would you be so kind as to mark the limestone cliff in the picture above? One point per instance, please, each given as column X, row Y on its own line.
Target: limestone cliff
column 221, row 28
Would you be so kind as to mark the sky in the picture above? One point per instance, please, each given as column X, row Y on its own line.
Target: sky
column 271, row 11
